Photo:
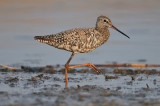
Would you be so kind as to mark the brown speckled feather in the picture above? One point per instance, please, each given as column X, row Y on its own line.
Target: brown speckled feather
column 76, row 40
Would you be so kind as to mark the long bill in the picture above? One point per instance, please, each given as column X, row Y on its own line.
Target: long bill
column 113, row 27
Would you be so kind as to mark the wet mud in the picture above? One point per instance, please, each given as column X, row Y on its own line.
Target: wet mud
column 46, row 86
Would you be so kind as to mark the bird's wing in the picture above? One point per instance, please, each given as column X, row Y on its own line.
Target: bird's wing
column 70, row 40
column 69, row 37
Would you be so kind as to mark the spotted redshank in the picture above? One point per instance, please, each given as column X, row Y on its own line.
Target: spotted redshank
column 80, row 40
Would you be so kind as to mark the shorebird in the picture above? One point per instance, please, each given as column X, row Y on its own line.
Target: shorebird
column 80, row 40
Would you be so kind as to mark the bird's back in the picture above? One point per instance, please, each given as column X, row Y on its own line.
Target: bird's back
column 80, row 40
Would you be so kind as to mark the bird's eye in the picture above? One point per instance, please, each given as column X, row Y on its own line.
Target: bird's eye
column 106, row 21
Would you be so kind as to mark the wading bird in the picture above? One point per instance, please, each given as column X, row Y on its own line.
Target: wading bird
column 80, row 40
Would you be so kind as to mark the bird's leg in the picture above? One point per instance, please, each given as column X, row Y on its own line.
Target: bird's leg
column 66, row 69
column 87, row 64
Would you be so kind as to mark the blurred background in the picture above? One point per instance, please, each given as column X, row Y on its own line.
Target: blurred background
column 21, row 20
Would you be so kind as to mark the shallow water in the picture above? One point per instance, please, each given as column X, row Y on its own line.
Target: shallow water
column 22, row 20
column 39, row 87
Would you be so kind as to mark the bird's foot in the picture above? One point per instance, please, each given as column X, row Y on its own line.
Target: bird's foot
column 94, row 67
column 87, row 64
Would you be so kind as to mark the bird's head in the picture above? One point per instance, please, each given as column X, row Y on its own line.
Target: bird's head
column 104, row 22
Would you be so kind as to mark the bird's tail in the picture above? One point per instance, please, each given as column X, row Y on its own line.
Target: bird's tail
column 40, row 38
column 44, row 39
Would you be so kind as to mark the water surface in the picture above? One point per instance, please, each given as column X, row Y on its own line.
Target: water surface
column 20, row 21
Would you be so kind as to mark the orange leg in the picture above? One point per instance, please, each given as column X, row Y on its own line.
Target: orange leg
column 87, row 64
column 67, row 67
column 66, row 74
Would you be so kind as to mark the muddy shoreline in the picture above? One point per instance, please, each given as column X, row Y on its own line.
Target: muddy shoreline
column 46, row 86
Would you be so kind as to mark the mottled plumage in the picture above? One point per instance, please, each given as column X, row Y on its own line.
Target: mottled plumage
column 80, row 40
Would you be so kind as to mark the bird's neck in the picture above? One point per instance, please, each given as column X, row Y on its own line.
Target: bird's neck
column 103, row 31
